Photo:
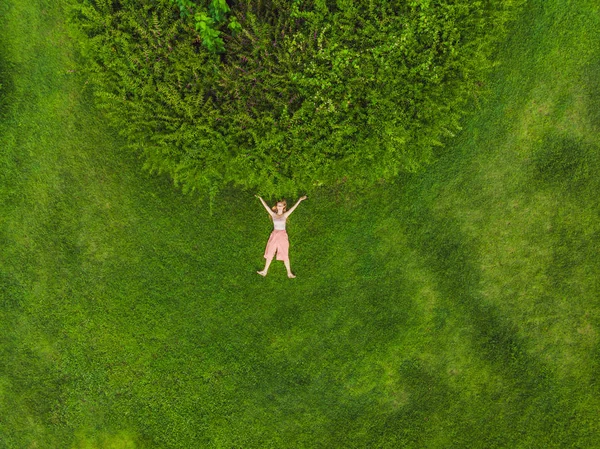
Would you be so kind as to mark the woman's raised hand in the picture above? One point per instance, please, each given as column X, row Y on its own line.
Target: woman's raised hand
column 303, row 198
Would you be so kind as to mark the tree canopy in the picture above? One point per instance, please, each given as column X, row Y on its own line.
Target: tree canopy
column 300, row 94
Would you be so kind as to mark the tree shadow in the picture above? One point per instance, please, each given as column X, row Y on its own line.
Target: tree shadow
column 7, row 71
column 536, row 398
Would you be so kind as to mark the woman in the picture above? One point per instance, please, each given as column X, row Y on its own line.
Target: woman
column 278, row 241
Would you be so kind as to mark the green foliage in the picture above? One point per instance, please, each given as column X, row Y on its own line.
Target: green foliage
column 185, row 6
column 308, row 93
column 207, row 25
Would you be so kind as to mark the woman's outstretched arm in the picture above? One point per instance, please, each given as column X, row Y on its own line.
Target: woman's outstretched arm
column 288, row 213
column 265, row 204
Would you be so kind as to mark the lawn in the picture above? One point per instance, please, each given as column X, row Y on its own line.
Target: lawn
column 458, row 307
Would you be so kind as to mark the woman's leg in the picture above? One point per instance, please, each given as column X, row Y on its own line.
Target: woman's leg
column 267, row 263
column 287, row 266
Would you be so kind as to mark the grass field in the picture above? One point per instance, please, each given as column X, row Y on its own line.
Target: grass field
column 456, row 308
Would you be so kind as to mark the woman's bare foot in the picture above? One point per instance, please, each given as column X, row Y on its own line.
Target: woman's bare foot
column 262, row 273
column 290, row 275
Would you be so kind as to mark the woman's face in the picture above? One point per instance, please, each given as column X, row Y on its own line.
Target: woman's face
column 279, row 208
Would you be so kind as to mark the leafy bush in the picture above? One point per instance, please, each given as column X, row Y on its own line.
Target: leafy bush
column 206, row 24
column 304, row 93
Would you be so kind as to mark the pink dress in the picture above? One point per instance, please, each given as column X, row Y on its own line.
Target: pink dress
column 278, row 241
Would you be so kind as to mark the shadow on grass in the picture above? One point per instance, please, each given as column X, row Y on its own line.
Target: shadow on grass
column 537, row 405
column 565, row 161
column 6, row 69
column 11, row 291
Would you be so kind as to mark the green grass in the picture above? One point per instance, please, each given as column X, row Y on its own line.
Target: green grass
column 454, row 308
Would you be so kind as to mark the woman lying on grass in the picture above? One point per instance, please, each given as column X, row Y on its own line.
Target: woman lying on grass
column 278, row 241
